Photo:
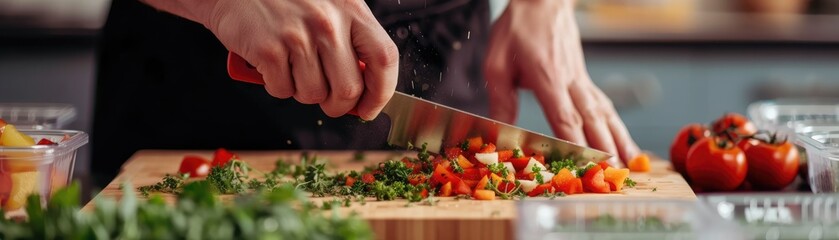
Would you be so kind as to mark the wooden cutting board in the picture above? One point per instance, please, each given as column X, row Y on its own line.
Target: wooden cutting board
column 448, row 219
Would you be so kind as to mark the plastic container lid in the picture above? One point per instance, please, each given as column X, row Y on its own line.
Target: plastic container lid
column 618, row 219
column 779, row 216
column 38, row 115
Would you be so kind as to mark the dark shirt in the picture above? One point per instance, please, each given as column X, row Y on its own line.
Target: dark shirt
column 162, row 84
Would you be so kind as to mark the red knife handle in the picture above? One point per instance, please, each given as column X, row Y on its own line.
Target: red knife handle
column 239, row 69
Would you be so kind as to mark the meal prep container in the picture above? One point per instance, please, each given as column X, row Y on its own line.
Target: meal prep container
column 813, row 125
column 779, row 216
column 37, row 115
column 618, row 219
column 39, row 169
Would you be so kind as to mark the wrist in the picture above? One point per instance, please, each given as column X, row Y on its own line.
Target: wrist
column 195, row 10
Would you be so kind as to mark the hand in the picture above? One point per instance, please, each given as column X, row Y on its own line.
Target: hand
column 535, row 44
column 309, row 50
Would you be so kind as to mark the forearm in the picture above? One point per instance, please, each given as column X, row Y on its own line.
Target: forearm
column 194, row 10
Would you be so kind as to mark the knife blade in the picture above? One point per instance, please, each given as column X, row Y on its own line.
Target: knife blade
column 415, row 121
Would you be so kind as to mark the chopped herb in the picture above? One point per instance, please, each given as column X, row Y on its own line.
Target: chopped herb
column 582, row 171
column 517, row 153
column 169, row 184
column 629, row 183
column 465, row 145
column 655, row 189
column 498, row 168
column 559, row 165
column 456, row 166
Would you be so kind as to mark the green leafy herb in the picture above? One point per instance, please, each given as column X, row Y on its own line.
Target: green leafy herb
column 498, row 168
column 582, row 171
column 281, row 213
column 465, row 145
column 456, row 166
column 517, row 153
column 629, row 183
column 655, row 189
column 169, row 184
column 559, row 165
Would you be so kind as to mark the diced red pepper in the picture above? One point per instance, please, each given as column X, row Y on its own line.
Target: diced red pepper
column 350, row 181
column 506, row 186
column 541, row 189
column 442, row 175
column 368, row 178
column 222, row 156
column 460, row 188
column 487, row 148
column 593, row 180
column 519, row 163
column 604, row 165
column 505, row 155
column 525, row 176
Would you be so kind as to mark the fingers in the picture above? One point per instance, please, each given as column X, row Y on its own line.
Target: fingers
column 309, row 83
column 375, row 48
column 503, row 94
column 273, row 65
column 559, row 109
column 627, row 148
column 340, row 67
column 597, row 132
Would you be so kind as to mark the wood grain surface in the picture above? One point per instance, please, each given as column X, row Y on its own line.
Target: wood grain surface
column 448, row 219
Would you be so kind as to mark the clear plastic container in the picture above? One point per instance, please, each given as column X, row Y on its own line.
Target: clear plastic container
column 822, row 152
column 779, row 216
column 38, row 169
column 618, row 219
column 786, row 112
column 37, row 115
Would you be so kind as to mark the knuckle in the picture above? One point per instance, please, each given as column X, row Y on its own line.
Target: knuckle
column 388, row 55
column 350, row 92
column 323, row 25
column 293, row 38
column 331, row 111
column 279, row 92
column 570, row 121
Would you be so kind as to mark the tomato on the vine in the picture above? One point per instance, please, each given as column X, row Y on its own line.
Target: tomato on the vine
column 731, row 126
column 772, row 165
column 715, row 164
column 195, row 166
column 686, row 137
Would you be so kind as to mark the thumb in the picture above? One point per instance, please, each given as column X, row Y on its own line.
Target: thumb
column 499, row 73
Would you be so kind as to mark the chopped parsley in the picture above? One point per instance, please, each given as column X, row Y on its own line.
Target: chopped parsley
column 559, row 165
column 498, row 168
column 456, row 165
column 517, row 153
column 629, row 183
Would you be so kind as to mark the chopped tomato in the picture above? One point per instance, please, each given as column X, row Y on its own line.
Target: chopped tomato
column 505, row 155
column 470, row 183
column 506, row 186
column 45, row 141
column 460, row 188
column 525, row 176
column 593, row 180
column 453, row 152
column 195, row 166
column 410, row 164
column 641, row 163
column 222, row 156
column 368, row 178
column 541, row 189
column 474, row 173
column 424, row 193
column 416, row 179
column 350, row 181
column 604, row 165
column 539, row 158
column 442, row 175
column 445, row 190
column 483, row 183
column 487, row 148
column 484, row 195
column 475, row 144
column 519, row 163
column 615, row 177
column 463, row 162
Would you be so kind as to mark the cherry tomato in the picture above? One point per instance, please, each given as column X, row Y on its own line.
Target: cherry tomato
column 715, row 164
column 222, row 156
column 686, row 137
column 195, row 166
column 772, row 166
column 732, row 126
column 368, row 178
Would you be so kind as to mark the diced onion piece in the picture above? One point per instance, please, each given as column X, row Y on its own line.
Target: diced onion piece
column 530, row 164
column 510, row 168
column 487, row 158
column 547, row 176
column 527, row 185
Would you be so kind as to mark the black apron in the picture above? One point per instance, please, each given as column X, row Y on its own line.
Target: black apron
column 162, row 84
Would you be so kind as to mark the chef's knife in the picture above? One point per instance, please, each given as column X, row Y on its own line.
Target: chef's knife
column 414, row 121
